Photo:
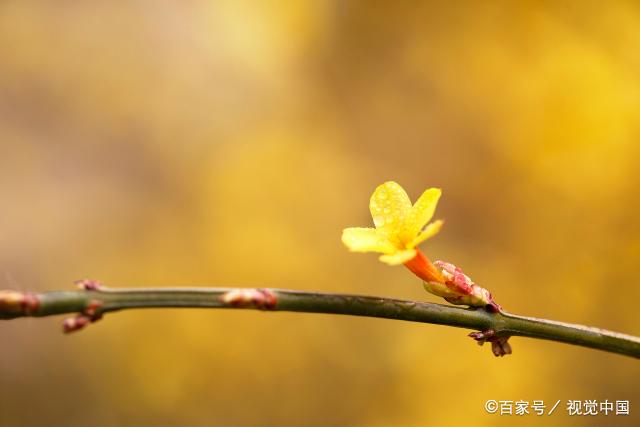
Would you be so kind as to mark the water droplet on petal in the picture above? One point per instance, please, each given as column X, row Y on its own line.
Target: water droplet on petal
column 378, row 220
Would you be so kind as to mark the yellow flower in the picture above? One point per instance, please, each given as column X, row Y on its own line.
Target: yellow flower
column 399, row 225
column 400, row 228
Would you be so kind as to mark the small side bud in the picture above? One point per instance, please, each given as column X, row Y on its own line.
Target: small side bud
column 263, row 299
column 90, row 314
column 88, row 284
column 93, row 310
column 499, row 345
column 76, row 323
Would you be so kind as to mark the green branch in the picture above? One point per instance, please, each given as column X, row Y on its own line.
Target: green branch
column 93, row 301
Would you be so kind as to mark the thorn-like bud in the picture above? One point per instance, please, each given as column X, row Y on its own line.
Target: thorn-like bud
column 263, row 299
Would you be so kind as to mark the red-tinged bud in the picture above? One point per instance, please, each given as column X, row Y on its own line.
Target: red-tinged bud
column 263, row 299
column 499, row 345
column 73, row 324
column 88, row 284
column 458, row 288
column 92, row 310
column 91, row 313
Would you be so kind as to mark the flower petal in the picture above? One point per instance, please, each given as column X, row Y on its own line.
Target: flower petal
column 399, row 257
column 429, row 231
column 389, row 206
column 420, row 214
column 359, row 239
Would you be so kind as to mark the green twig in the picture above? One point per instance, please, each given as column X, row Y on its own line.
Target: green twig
column 93, row 301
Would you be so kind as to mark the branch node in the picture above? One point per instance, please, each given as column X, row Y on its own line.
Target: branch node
column 16, row 303
column 262, row 299
column 90, row 314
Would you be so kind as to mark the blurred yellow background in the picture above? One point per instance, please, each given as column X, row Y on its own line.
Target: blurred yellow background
column 230, row 142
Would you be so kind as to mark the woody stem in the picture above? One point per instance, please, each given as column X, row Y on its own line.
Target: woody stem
column 15, row 304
